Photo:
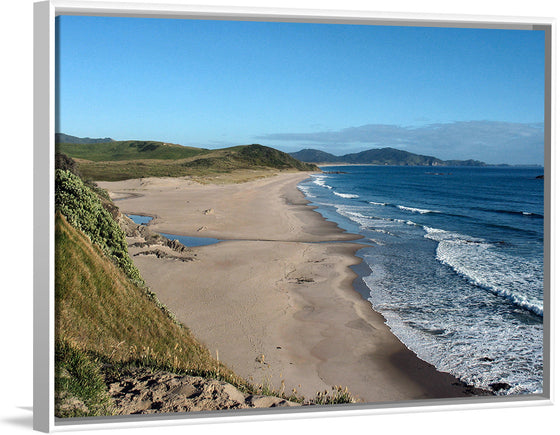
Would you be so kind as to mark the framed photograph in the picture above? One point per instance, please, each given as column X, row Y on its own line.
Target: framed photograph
column 255, row 213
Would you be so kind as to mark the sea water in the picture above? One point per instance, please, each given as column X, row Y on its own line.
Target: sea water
column 184, row 240
column 455, row 256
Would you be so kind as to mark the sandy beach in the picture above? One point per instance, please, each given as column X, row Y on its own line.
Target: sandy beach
column 275, row 299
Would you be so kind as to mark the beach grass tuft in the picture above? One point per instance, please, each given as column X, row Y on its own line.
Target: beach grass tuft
column 337, row 396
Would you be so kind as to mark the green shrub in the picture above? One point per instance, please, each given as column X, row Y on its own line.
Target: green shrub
column 62, row 161
column 84, row 210
column 79, row 384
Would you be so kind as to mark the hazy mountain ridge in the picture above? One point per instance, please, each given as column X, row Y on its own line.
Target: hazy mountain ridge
column 66, row 138
column 380, row 156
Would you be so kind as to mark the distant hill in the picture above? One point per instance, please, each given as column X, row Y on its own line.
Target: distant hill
column 391, row 156
column 127, row 150
column 259, row 155
column 380, row 156
column 465, row 163
column 311, row 155
column 66, row 138
column 120, row 160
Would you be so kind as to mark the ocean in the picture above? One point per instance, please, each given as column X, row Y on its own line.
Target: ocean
column 454, row 260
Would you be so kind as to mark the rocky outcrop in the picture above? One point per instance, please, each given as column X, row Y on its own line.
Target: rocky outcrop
column 141, row 236
column 162, row 254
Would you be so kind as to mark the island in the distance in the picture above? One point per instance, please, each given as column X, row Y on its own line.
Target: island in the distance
column 385, row 156
column 380, row 156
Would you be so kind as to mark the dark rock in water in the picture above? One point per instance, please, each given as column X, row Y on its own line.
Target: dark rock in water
column 540, row 177
column 162, row 254
column 497, row 386
column 177, row 246
column 335, row 172
column 471, row 390
column 486, row 359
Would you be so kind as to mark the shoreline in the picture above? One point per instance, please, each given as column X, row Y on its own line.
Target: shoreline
column 277, row 307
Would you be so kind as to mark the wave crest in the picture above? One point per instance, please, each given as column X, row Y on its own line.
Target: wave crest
column 346, row 195
column 476, row 261
column 416, row 210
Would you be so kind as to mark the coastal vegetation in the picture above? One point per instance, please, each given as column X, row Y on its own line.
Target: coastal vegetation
column 128, row 150
column 108, row 323
column 91, row 214
column 106, row 319
column 121, row 160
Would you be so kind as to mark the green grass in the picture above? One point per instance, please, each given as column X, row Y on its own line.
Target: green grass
column 98, row 308
column 79, row 384
column 90, row 213
column 128, row 150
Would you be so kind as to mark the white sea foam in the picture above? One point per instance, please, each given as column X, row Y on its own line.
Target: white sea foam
column 305, row 191
column 319, row 180
column 476, row 261
column 477, row 349
column 440, row 290
column 403, row 221
column 363, row 220
column 463, row 359
column 416, row 210
column 346, row 195
column 379, row 230
column 354, row 213
column 378, row 225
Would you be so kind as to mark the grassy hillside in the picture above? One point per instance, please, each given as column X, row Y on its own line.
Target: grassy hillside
column 317, row 156
column 87, row 212
column 261, row 156
column 105, row 319
column 128, row 150
column 108, row 163
column 98, row 309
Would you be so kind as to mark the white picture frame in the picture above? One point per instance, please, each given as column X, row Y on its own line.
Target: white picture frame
column 44, row 120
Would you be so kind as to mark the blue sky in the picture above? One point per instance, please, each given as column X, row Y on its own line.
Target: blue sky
column 451, row 93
